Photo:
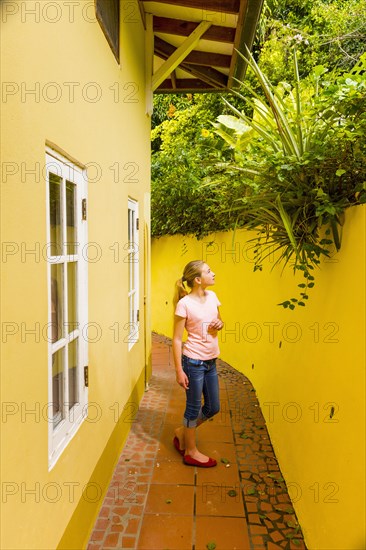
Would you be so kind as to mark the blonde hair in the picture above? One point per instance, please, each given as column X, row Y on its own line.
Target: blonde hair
column 191, row 271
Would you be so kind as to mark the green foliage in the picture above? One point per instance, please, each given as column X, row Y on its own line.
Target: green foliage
column 325, row 32
column 188, row 152
column 180, row 204
column 302, row 163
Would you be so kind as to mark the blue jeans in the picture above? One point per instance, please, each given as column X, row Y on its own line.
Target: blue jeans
column 202, row 376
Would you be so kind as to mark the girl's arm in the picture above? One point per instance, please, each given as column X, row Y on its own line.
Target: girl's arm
column 216, row 324
column 219, row 317
column 181, row 377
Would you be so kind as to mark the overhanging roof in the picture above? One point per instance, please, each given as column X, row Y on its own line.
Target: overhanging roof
column 195, row 42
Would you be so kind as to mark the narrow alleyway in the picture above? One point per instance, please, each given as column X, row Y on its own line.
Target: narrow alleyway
column 155, row 502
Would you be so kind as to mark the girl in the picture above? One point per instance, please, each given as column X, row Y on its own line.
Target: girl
column 196, row 369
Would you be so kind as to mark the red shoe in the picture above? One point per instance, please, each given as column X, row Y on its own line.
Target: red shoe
column 176, row 445
column 193, row 462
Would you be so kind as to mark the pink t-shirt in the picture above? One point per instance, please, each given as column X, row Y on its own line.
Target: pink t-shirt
column 200, row 344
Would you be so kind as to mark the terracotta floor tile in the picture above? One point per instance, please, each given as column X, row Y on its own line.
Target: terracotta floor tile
column 128, row 542
column 226, row 533
column 166, row 531
column 111, row 540
column 167, row 471
column 177, row 393
column 212, row 499
column 219, row 474
column 167, row 431
column 210, row 431
column 132, row 526
column 258, row 530
column 175, row 418
column 218, row 449
column 259, row 543
column 165, row 447
column 254, row 518
column 170, row 499
column 167, row 451
column 276, row 536
column 102, row 524
column 117, row 528
column 97, row 535
column 177, row 406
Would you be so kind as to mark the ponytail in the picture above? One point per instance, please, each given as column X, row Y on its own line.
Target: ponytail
column 191, row 271
column 180, row 291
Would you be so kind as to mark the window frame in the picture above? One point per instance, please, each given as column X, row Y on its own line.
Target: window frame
column 106, row 20
column 60, row 435
column 133, row 260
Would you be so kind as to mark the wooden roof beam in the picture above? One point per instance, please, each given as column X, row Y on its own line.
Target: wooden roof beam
column 220, row 6
column 185, row 85
column 208, row 59
column 149, row 64
column 179, row 54
column 248, row 22
column 180, row 27
column 210, row 76
column 207, row 74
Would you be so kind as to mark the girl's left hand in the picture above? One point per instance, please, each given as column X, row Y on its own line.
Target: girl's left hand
column 214, row 326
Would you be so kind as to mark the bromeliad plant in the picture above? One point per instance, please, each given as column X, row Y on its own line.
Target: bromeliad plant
column 301, row 156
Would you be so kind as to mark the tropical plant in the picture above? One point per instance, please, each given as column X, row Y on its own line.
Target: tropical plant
column 301, row 160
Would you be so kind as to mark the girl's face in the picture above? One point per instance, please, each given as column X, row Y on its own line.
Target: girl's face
column 207, row 276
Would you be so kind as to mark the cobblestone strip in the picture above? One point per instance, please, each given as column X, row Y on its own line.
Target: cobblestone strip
column 271, row 518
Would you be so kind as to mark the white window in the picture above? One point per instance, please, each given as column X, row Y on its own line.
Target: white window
column 67, row 301
column 133, row 273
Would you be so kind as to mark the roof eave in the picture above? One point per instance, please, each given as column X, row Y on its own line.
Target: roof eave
column 209, row 79
column 247, row 36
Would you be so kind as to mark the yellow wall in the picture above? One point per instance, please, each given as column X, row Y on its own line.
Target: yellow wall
column 43, row 51
column 302, row 363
